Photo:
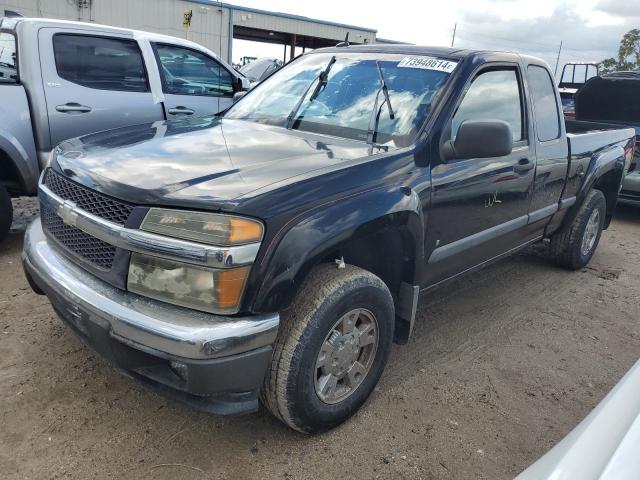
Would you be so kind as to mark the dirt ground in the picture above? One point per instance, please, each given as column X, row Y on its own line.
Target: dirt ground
column 502, row 365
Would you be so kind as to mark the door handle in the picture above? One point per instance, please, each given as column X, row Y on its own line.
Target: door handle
column 523, row 166
column 181, row 111
column 73, row 107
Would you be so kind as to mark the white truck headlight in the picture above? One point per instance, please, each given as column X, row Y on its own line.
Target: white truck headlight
column 209, row 290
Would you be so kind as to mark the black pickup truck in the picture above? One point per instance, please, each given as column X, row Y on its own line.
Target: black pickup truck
column 276, row 251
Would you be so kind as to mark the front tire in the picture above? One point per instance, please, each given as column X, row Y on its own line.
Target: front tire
column 574, row 245
column 6, row 212
column 331, row 349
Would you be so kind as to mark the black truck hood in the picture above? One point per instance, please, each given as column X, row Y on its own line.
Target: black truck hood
column 205, row 161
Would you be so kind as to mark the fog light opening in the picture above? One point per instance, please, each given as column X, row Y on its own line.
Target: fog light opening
column 179, row 368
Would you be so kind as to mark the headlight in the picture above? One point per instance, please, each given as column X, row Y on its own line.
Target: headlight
column 209, row 228
column 210, row 290
column 192, row 286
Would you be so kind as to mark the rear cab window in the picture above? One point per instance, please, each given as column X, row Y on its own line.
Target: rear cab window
column 103, row 63
column 545, row 106
column 8, row 59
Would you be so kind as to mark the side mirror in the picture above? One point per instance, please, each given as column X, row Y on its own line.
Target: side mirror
column 480, row 139
column 245, row 84
column 238, row 95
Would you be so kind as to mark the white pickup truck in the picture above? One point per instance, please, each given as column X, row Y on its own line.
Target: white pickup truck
column 62, row 79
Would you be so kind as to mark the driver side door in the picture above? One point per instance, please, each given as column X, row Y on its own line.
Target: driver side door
column 479, row 205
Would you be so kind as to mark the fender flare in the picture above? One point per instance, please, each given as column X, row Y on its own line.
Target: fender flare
column 309, row 237
column 600, row 165
column 19, row 158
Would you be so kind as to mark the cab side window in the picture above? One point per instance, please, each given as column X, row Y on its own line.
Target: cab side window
column 101, row 63
column 545, row 105
column 188, row 72
column 494, row 95
column 8, row 66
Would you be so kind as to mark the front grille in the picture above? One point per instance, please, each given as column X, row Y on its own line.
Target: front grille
column 97, row 252
column 88, row 200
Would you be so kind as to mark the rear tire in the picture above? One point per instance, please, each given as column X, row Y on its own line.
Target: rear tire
column 574, row 245
column 6, row 212
column 331, row 348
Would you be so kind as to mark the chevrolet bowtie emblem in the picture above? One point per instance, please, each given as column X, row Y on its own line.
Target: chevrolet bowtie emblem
column 67, row 213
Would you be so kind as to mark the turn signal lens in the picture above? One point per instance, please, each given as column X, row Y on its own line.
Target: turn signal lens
column 244, row 231
column 230, row 286
column 209, row 228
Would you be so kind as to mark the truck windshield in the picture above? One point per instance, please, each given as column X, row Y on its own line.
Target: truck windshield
column 343, row 105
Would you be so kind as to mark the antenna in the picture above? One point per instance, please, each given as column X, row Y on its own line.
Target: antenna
column 346, row 41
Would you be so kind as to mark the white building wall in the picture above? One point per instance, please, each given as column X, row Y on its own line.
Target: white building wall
column 209, row 25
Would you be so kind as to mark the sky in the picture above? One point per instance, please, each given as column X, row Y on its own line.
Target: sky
column 590, row 30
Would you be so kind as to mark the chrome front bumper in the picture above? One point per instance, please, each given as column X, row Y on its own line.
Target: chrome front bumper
column 141, row 323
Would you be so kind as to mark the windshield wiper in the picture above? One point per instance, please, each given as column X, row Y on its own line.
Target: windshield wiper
column 375, row 113
column 322, row 81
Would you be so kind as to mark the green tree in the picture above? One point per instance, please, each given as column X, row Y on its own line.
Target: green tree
column 628, row 54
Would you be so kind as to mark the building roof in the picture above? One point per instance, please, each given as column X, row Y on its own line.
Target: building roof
column 391, row 42
column 240, row 8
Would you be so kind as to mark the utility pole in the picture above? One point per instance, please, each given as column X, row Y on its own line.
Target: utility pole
column 453, row 39
column 555, row 72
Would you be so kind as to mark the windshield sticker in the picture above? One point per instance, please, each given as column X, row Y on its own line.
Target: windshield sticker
column 428, row 63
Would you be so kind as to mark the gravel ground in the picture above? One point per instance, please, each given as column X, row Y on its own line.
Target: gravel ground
column 502, row 365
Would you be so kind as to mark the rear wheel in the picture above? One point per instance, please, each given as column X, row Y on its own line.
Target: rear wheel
column 331, row 349
column 576, row 243
column 6, row 212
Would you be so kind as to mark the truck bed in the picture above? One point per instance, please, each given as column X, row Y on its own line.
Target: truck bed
column 589, row 137
column 590, row 141
column 584, row 126
column 576, row 127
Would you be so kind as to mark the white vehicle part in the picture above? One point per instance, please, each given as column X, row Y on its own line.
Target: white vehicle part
column 604, row 445
column 152, row 67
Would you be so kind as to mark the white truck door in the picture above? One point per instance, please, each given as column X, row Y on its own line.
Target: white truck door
column 93, row 81
column 193, row 82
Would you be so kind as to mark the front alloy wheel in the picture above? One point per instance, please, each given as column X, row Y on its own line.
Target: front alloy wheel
column 346, row 355
column 332, row 346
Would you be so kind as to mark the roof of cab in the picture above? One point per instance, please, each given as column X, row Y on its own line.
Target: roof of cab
column 446, row 52
column 408, row 49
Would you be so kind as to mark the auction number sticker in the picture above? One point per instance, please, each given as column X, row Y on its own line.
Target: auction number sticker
column 428, row 63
